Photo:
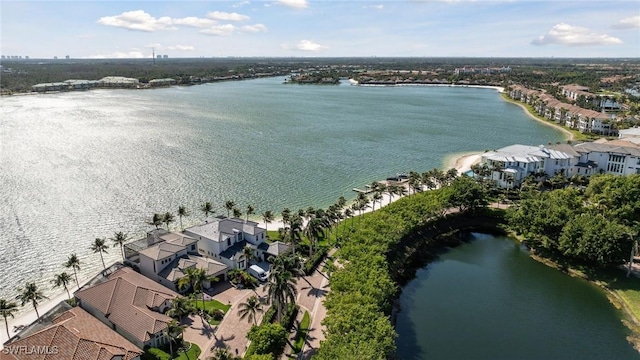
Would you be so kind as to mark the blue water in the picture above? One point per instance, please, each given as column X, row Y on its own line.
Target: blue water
column 81, row 165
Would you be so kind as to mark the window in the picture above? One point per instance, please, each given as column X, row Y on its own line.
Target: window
column 193, row 247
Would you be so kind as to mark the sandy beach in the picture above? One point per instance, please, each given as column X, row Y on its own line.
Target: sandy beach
column 462, row 163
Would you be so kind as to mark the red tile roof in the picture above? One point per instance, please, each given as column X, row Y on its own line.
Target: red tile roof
column 74, row 334
column 128, row 300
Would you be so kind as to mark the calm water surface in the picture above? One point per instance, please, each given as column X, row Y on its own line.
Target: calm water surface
column 488, row 299
column 80, row 165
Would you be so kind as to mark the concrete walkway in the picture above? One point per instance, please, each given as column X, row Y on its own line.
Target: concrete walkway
column 312, row 291
column 232, row 330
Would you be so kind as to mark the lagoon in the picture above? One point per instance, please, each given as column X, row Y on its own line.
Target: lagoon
column 80, row 165
column 487, row 299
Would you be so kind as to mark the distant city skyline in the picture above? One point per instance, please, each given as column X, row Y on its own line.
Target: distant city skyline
column 308, row 28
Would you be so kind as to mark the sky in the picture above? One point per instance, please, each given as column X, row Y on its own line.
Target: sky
column 311, row 28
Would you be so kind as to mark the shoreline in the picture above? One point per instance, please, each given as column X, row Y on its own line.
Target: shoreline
column 569, row 135
column 499, row 89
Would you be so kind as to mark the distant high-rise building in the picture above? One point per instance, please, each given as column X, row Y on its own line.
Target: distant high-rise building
column 27, row 57
column 55, row 58
column 2, row 57
column 158, row 56
column 67, row 57
column 165, row 56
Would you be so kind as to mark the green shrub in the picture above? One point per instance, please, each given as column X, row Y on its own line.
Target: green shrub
column 155, row 354
column 268, row 338
column 312, row 263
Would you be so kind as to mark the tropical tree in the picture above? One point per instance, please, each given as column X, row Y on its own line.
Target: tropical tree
column 62, row 280
column 247, row 253
column 281, row 289
column 182, row 212
column 362, row 201
column 99, row 247
column 8, row 309
column 207, row 209
column 173, row 331
column 286, row 216
column 194, row 277
column 312, row 231
column 30, row 293
column 229, row 205
column 73, row 262
column 414, row 180
column 250, row 211
column 180, row 307
column 250, row 309
column 156, row 220
column 119, row 239
column 237, row 213
column 377, row 197
column 348, row 213
column 223, row 353
column 168, row 218
column 267, row 217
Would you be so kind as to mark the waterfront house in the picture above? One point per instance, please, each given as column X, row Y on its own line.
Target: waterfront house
column 618, row 157
column 130, row 304
column 223, row 239
column 164, row 257
column 511, row 164
column 69, row 333
column 573, row 92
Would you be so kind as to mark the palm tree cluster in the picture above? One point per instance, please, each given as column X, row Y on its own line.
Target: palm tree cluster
column 281, row 288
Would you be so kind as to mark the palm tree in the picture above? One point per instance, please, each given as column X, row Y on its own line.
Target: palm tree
column 286, row 216
column 348, row 213
column 342, row 202
column 248, row 254
column 222, row 353
column 119, row 239
column 173, row 331
column 267, row 217
column 31, row 294
column 194, row 277
column 73, row 262
column 377, row 197
column 168, row 218
column 99, row 247
column 179, row 307
column 206, row 208
column 250, row 309
column 250, row 211
column 62, row 279
column 156, row 220
column 281, row 289
column 8, row 308
column 237, row 213
column 182, row 212
column 313, row 231
column 295, row 230
column 229, row 205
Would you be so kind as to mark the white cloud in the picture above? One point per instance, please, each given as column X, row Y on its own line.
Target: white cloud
column 225, row 16
column 240, row 4
column 181, row 47
column 219, row 30
column 194, row 22
column 120, row 55
column 377, row 7
column 632, row 22
column 137, row 20
column 254, row 28
column 307, row 45
column 565, row 34
column 296, row 4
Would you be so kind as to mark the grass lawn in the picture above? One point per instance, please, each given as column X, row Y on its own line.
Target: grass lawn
column 192, row 354
column 210, row 304
column 301, row 335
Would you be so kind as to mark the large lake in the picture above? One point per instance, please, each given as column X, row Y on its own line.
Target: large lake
column 80, row 165
column 488, row 299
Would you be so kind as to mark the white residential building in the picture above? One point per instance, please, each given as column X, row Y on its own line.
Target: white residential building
column 617, row 157
column 513, row 163
column 223, row 239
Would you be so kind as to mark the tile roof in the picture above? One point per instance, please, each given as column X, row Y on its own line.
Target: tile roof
column 614, row 146
column 162, row 250
column 215, row 228
column 127, row 299
column 175, row 269
column 75, row 334
column 278, row 247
